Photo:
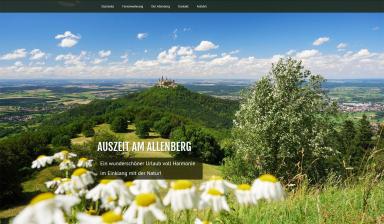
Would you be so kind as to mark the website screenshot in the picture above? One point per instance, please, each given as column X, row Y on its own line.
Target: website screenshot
column 191, row 111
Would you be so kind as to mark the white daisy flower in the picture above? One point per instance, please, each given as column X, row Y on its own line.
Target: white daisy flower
column 145, row 186
column 67, row 164
column 214, row 199
column 53, row 183
column 181, row 196
column 268, row 187
column 46, row 208
column 131, row 189
column 65, row 186
column 84, row 162
column 199, row 221
column 218, row 183
column 64, row 154
column 145, row 209
column 244, row 195
column 81, row 178
column 112, row 193
column 110, row 217
column 42, row 161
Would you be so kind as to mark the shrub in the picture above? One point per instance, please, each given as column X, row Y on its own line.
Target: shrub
column 143, row 128
column 119, row 124
column 204, row 146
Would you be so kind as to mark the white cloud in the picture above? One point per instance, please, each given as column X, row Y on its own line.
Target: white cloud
column 206, row 46
column 208, row 56
column 18, row 64
column 342, row 45
column 16, row 54
column 185, row 51
column 36, row 54
column 307, row 54
column 104, row 53
column 182, row 62
column 321, row 40
column 124, row 57
column 290, row 52
column 141, row 36
column 363, row 53
column 71, row 59
column 67, row 39
column 174, row 34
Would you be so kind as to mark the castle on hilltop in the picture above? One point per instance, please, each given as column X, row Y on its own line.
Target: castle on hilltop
column 166, row 83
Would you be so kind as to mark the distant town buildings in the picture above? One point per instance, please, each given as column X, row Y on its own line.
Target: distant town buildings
column 166, row 83
column 361, row 107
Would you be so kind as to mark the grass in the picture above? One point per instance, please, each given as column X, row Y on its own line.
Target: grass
column 332, row 204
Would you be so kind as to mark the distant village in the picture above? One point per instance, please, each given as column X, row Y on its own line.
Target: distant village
column 361, row 107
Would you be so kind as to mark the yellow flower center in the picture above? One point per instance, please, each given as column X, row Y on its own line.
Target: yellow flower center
column 181, row 184
column 111, row 217
column 91, row 212
column 214, row 192
column 41, row 156
column 207, row 222
column 57, row 179
column 66, row 161
column 145, row 199
column 65, row 152
column 79, row 172
column 83, row 159
column 129, row 183
column 65, row 180
column 216, row 178
column 41, row 197
column 105, row 181
column 268, row 178
column 244, row 187
column 111, row 199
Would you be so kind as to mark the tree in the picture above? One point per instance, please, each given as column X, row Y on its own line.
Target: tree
column 203, row 145
column 365, row 133
column 61, row 140
column 165, row 125
column 143, row 128
column 283, row 125
column 119, row 124
column 87, row 129
column 348, row 145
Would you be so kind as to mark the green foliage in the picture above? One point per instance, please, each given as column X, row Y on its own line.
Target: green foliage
column 283, row 126
column 165, row 125
column 16, row 156
column 204, row 146
column 142, row 128
column 365, row 133
column 119, row 124
column 61, row 140
column 87, row 129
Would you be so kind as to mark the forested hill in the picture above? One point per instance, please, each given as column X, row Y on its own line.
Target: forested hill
column 210, row 111
column 160, row 109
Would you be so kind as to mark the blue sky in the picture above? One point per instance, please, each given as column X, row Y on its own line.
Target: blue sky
column 249, row 39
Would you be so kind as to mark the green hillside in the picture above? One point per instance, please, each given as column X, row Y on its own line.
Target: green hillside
column 207, row 110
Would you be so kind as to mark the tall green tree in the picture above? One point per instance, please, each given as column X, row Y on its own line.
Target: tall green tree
column 143, row 128
column 283, row 125
column 119, row 124
column 365, row 133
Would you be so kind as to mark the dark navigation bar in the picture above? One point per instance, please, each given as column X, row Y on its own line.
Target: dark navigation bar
column 192, row 6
